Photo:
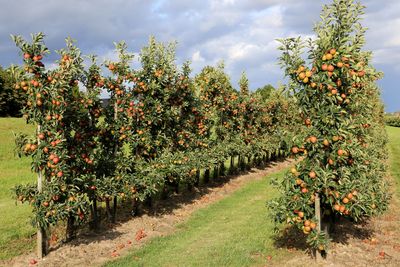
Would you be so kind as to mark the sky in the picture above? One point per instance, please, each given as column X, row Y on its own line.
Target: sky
column 243, row 33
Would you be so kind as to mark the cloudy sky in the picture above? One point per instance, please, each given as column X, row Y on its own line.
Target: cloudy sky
column 240, row 32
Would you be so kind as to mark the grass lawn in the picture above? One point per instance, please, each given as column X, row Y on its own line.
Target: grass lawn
column 232, row 232
column 394, row 154
column 15, row 226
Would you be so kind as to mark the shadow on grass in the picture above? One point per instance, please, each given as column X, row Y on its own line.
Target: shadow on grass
column 346, row 229
column 291, row 238
column 343, row 230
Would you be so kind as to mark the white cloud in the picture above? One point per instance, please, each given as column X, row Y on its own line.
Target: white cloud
column 386, row 56
column 196, row 57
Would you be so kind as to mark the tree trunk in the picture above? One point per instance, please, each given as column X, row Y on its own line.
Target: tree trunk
column 114, row 210
column 215, row 173
column 176, row 187
column 164, row 192
column 149, row 202
column 239, row 165
column 207, row 176
column 232, row 165
column 95, row 219
column 197, row 181
column 259, row 161
column 222, row 169
column 108, row 210
column 242, row 164
column 135, row 207
column 190, row 187
column 70, row 232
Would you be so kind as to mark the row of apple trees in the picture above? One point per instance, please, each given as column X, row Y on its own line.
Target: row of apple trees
column 161, row 129
column 392, row 120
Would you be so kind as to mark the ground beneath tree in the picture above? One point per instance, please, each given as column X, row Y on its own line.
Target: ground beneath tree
column 372, row 243
column 93, row 249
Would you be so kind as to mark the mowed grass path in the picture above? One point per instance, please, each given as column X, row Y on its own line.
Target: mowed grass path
column 231, row 232
column 235, row 231
column 15, row 226
column 394, row 155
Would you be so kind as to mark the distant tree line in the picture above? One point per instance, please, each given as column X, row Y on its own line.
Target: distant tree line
column 11, row 100
column 265, row 91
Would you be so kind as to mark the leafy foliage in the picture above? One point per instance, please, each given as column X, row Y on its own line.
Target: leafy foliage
column 11, row 100
column 265, row 92
column 392, row 120
column 344, row 147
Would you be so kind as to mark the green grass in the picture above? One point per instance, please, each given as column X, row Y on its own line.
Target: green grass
column 15, row 227
column 231, row 232
column 394, row 155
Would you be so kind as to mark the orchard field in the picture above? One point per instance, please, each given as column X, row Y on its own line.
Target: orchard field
column 227, row 240
column 188, row 169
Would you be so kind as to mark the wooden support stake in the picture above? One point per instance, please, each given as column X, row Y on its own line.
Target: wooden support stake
column 318, row 255
column 41, row 235
column 95, row 223
column 115, row 200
